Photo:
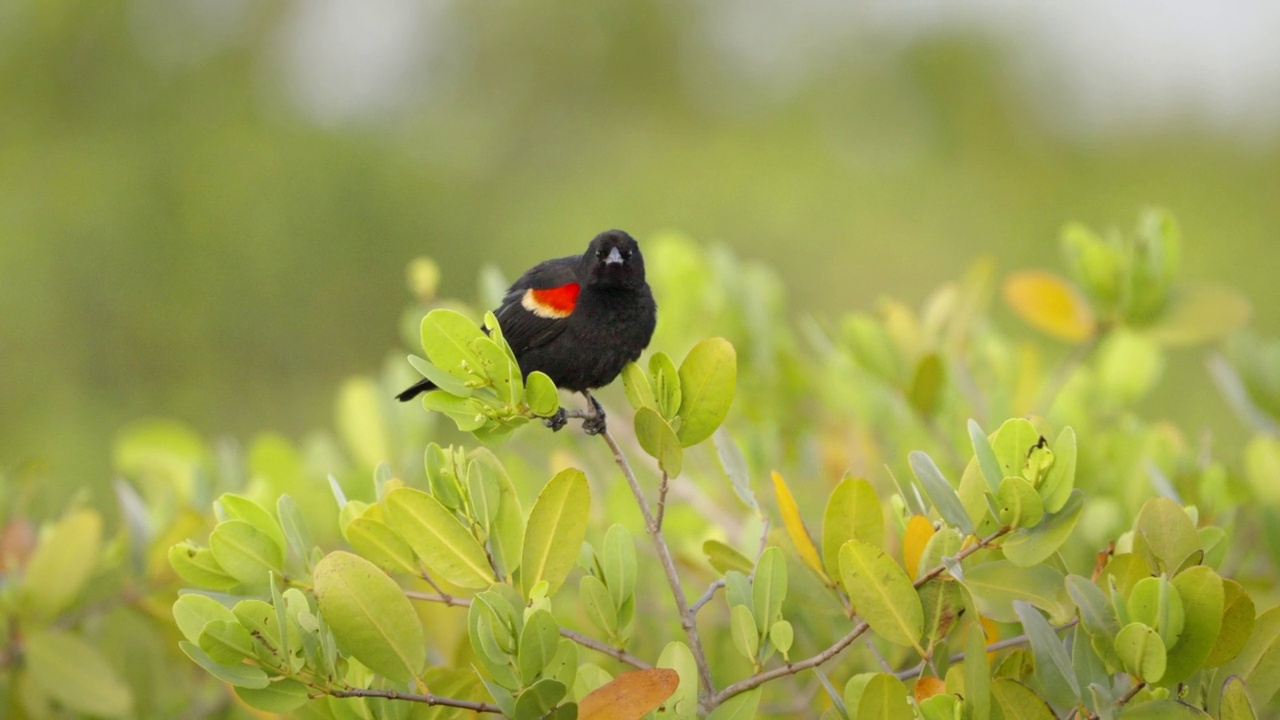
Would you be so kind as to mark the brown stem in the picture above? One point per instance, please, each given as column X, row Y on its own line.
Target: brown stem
column 586, row 642
column 687, row 620
column 790, row 669
column 662, row 500
column 426, row 699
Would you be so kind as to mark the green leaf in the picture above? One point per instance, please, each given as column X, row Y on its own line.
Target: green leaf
column 245, row 552
column 1168, row 531
column 241, row 675
column 1155, row 603
column 501, row 369
column 1202, row 595
column 370, row 616
column 61, row 564
column 555, row 531
column 74, row 673
column 1142, row 651
column 537, row 701
column 1237, row 624
column 658, row 439
column 1096, row 612
column 1258, row 662
column 539, row 642
column 977, row 674
column 1011, row 445
column 735, row 466
column 601, row 609
column 620, row 567
column 769, row 589
column 439, row 540
column 1128, row 366
column 884, row 698
column 1235, row 703
column 666, row 384
column 995, row 585
column 1056, row 490
column 742, row 625
column 1053, row 666
column 467, row 413
column 238, row 507
column 1032, row 546
column 294, row 527
column 447, row 338
column 1019, row 701
column 197, row 566
column 781, row 634
column 638, row 388
column 683, row 703
column 708, row 376
column 441, row 379
column 985, row 456
column 506, row 534
column 192, row 612
column 226, row 642
column 883, row 593
column 724, row 558
column 925, row 391
column 739, row 707
column 540, row 394
column 853, row 511
column 282, row 696
column 1019, row 503
column 940, row 492
column 378, row 543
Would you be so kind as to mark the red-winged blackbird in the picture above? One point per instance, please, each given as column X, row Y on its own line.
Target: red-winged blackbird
column 579, row 319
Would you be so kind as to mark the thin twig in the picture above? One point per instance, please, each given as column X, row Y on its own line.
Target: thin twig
column 706, row 596
column 1133, row 692
column 426, row 699
column 790, row 669
column 586, row 642
column 614, row 652
column 875, row 653
column 441, row 598
column 662, row 500
column 687, row 619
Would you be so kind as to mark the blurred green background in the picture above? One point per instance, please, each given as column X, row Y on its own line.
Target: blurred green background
column 206, row 207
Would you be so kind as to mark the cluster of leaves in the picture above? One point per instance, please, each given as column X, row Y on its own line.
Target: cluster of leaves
column 1022, row 573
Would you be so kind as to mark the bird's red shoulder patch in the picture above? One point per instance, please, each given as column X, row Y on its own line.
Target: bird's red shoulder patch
column 553, row 303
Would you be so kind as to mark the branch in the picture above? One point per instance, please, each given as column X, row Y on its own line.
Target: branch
column 662, row 500
column 706, row 596
column 586, row 642
column 792, row 668
column 427, row 699
column 687, row 619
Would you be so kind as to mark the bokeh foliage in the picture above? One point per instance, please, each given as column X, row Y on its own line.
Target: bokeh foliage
column 894, row 421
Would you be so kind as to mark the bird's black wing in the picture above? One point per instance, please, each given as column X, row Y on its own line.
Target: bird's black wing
column 537, row 307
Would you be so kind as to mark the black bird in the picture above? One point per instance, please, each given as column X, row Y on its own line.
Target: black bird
column 579, row 319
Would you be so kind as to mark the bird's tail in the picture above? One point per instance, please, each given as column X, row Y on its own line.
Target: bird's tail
column 415, row 390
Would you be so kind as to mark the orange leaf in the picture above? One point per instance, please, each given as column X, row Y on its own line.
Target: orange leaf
column 630, row 695
column 919, row 531
column 795, row 527
column 1049, row 303
column 928, row 686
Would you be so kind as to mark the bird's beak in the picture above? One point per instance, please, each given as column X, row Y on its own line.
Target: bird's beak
column 614, row 257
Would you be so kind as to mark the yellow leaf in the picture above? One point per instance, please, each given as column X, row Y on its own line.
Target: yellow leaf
column 919, row 531
column 795, row 527
column 1050, row 304
column 630, row 696
column 992, row 631
column 928, row 686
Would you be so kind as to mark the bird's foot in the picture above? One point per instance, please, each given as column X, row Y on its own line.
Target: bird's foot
column 557, row 421
column 593, row 423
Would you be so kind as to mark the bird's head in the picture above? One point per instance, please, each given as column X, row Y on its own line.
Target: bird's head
column 613, row 259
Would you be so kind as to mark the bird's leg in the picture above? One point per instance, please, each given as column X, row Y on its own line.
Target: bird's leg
column 593, row 422
column 557, row 421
